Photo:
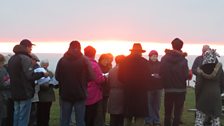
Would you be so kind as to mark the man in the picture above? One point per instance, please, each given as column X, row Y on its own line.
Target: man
column 73, row 73
column 198, row 60
column 174, row 73
column 22, row 81
column 134, row 73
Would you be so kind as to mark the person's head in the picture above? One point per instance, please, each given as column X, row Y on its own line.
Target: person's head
column 137, row 49
column 153, row 55
column 177, row 44
column 90, row 52
column 44, row 63
column 34, row 58
column 27, row 44
column 119, row 59
column 2, row 60
column 75, row 45
column 205, row 48
column 210, row 56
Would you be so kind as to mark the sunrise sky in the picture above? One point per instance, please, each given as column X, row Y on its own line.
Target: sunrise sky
column 112, row 25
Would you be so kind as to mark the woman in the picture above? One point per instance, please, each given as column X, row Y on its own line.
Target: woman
column 209, row 85
column 94, row 88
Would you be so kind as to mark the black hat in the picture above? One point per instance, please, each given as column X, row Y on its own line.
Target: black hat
column 177, row 44
column 26, row 43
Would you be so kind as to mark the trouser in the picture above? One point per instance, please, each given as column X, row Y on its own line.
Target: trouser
column 43, row 115
column 116, row 120
column 33, row 114
column 138, row 121
column 22, row 112
column 173, row 102
column 154, row 100
column 201, row 118
column 66, row 111
column 101, row 112
column 91, row 112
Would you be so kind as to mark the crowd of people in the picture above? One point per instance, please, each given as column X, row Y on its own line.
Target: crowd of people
column 130, row 91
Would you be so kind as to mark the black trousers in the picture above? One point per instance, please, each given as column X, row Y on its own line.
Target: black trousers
column 116, row 120
column 174, row 103
column 43, row 113
column 90, row 115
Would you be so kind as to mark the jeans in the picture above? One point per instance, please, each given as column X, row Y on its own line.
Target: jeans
column 154, row 100
column 66, row 111
column 22, row 112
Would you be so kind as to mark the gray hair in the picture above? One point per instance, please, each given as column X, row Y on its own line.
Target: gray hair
column 44, row 61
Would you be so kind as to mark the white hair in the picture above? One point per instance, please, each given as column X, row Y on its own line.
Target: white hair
column 44, row 61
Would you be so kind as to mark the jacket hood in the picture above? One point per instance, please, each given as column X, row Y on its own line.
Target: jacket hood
column 211, row 75
column 175, row 56
column 72, row 54
column 19, row 49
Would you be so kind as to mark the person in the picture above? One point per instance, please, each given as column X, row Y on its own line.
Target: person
column 116, row 98
column 134, row 74
column 35, row 99
column 208, row 89
column 174, row 74
column 105, row 62
column 5, row 93
column 94, row 88
column 198, row 60
column 46, row 97
column 73, row 72
column 22, row 79
column 154, row 96
column 196, row 64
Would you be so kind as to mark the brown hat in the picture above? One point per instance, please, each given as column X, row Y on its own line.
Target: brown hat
column 26, row 43
column 137, row 47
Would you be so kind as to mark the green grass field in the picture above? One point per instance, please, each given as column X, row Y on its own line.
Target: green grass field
column 188, row 117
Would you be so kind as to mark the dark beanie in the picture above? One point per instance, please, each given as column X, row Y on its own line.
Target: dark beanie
column 177, row 44
column 75, row 44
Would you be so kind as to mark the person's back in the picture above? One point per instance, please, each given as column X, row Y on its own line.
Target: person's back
column 134, row 74
column 210, row 84
column 73, row 72
column 174, row 73
column 22, row 79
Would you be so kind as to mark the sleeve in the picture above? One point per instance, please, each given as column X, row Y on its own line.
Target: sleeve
column 28, row 69
column 195, row 66
column 90, row 73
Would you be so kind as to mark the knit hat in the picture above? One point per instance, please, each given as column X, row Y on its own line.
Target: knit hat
column 210, row 56
column 153, row 52
column 177, row 44
column 75, row 44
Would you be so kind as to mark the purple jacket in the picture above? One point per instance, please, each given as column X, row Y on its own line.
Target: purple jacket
column 94, row 89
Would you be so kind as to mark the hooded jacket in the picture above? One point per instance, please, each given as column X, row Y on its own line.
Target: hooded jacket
column 208, row 88
column 174, row 71
column 73, row 73
column 21, row 74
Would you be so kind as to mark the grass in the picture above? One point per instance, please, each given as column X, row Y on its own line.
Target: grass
column 188, row 117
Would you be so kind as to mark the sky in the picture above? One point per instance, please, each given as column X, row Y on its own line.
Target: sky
column 194, row 21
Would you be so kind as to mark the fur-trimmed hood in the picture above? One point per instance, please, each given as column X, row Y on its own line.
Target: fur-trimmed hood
column 174, row 56
column 211, row 75
column 177, row 52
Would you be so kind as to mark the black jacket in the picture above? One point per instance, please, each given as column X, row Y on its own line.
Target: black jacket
column 174, row 71
column 21, row 74
column 155, row 77
column 73, row 73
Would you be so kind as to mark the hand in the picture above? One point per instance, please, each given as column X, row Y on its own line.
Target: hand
column 46, row 74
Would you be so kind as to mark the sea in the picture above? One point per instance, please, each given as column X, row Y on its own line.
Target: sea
column 53, row 59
